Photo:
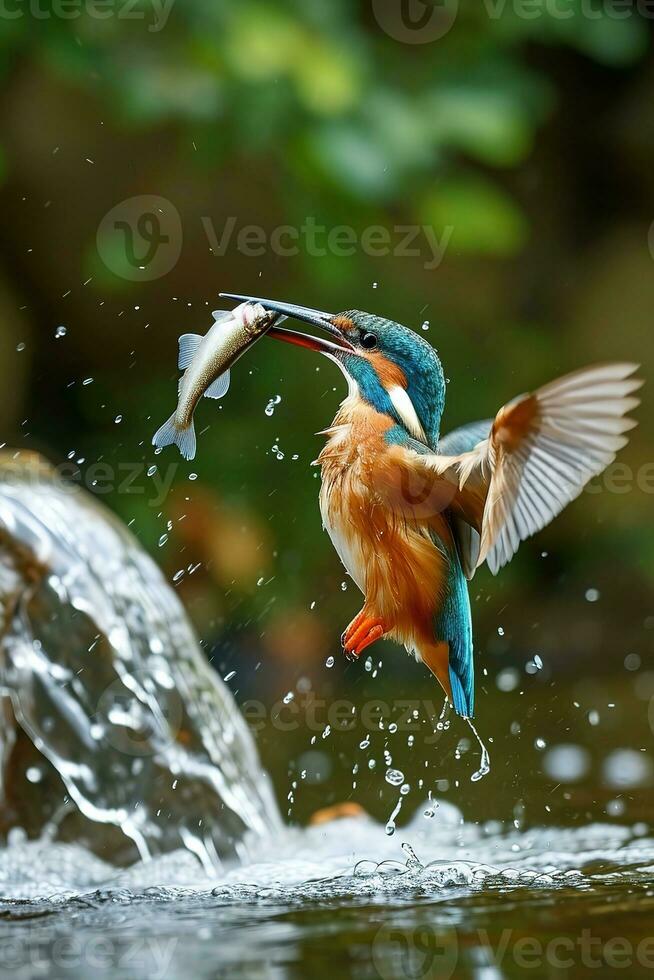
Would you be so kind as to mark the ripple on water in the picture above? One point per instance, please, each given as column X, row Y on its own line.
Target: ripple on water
column 343, row 861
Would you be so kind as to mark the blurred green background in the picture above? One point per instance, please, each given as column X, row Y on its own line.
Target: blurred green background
column 522, row 138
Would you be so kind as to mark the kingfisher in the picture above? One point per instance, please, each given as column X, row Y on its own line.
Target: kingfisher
column 413, row 513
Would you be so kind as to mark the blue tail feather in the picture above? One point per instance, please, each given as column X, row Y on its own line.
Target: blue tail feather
column 462, row 681
column 454, row 624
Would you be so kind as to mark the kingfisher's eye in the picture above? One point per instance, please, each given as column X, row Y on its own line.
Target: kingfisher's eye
column 369, row 341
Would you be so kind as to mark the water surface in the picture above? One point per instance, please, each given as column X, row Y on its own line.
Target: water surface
column 343, row 899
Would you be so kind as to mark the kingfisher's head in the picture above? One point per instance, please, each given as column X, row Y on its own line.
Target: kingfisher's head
column 389, row 366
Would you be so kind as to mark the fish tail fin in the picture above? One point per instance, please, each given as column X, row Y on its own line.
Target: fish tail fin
column 172, row 434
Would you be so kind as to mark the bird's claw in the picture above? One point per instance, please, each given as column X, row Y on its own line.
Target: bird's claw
column 362, row 631
column 348, row 633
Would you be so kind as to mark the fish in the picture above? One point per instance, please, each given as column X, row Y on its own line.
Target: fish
column 206, row 362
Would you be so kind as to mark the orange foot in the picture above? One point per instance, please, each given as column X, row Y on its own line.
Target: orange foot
column 362, row 631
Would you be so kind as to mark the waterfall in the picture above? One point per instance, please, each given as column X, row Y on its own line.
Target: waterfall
column 116, row 731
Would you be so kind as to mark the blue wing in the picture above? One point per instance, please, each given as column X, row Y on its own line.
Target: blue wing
column 465, row 438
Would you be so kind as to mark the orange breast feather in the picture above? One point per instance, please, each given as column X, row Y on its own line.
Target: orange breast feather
column 385, row 540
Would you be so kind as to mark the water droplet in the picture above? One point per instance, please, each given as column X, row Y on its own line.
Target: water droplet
column 118, row 419
column 390, row 826
column 192, row 476
column 20, row 347
column 507, row 679
column 395, row 777
column 87, row 381
column 270, row 407
column 484, row 763
column 60, row 332
column 151, row 470
column 162, row 540
column 288, row 697
column 592, row 595
column 329, row 662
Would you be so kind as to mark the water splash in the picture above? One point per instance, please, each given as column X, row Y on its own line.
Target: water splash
column 484, row 764
column 109, row 694
column 272, row 404
column 461, row 883
column 346, row 859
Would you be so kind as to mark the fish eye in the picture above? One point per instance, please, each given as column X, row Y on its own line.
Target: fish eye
column 369, row 341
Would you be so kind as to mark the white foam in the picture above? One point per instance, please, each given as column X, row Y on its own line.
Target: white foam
column 345, row 859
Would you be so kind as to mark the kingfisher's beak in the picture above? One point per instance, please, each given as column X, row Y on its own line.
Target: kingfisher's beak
column 316, row 318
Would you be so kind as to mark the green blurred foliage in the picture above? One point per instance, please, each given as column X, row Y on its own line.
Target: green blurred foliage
column 528, row 137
